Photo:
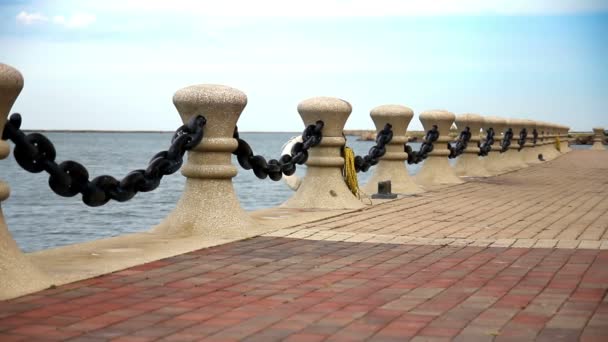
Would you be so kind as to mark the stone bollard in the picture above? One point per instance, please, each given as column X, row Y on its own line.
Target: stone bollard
column 532, row 149
column 564, row 139
column 515, row 157
column 323, row 186
column 18, row 275
column 543, row 138
column 551, row 151
column 543, row 133
column 558, row 129
column 469, row 164
column 566, row 133
column 494, row 161
column 392, row 165
column 598, row 139
column 436, row 169
column 209, row 206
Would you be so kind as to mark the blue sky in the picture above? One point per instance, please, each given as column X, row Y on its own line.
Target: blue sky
column 116, row 64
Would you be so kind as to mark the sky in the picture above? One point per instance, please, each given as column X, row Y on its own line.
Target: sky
column 115, row 64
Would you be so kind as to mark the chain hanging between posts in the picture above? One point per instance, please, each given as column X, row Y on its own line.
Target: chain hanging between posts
column 35, row 153
column 286, row 165
column 414, row 157
column 506, row 140
column 486, row 147
column 523, row 135
column 362, row 164
column 534, row 137
column 461, row 143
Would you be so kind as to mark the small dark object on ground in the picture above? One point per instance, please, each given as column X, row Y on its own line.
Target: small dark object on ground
column 384, row 191
column 540, row 157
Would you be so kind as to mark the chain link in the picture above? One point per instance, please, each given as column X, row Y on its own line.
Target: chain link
column 286, row 165
column 486, row 147
column 461, row 143
column 414, row 157
column 506, row 140
column 523, row 135
column 362, row 164
column 35, row 153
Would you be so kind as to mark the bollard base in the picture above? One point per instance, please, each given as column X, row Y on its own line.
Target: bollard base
column 323, row 188
column 18, row 276
column 219, row 215
column 437, row 171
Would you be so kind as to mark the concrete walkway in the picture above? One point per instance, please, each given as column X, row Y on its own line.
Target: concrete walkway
column 518, row 257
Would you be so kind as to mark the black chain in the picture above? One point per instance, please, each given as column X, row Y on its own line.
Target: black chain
column 362, row 164
column 461, row 143
column 35, row 153
column 486, row 147
column 523, row 135
column 506, row 140
column 274, row 169
column 534, row 137
column 414, row 157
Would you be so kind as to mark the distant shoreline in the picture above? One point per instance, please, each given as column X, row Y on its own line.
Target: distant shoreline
column 117, row 131
column 346, row 132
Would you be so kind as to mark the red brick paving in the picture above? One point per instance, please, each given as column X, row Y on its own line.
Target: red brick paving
column 273, row 288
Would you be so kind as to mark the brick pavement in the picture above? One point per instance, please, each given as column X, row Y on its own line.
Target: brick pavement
column 372, row 275
column 562, row 204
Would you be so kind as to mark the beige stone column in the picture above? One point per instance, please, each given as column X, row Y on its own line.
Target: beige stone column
column 18, row 276
column 564, row 140
column 494, row 161
column 531, row 150
column 568, row 138
column 323, row 186
column 209, row 206
column 514, row 157
column 598, row 139
column 542, row 138
column 551, row 152
column 558, row 135
column 392, row 165
column 436, row 169
column 469, row 164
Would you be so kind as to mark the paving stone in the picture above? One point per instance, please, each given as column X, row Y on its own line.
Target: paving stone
column 459, row 264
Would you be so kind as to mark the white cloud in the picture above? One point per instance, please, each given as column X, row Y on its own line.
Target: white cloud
column 74, row 21
column 30, row 18
column 78, row 20
column 354, row 8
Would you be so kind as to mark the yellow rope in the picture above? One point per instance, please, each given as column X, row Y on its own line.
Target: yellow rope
column 349, row 173
column 557, row 144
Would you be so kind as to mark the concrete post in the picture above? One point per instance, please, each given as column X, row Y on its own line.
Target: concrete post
column 514, row 157
column 209, row 206
column 18, row 276
column 323, row 186
column 551, row 151
column 566, row 137
column 543, row 138
column 598, row 139
column 564, row 140
column 558, row 135
column 392, row 165
column 436, row 169
column 469, row 164
column 531, row 150
column 494, row 162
